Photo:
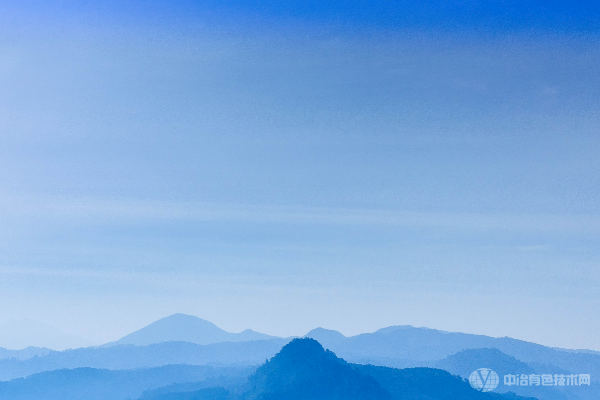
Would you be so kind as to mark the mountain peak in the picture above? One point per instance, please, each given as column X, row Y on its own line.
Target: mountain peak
column 186, row 328
column 300, row 349
column 186, row 319
column 395, row 328
column 303, row 369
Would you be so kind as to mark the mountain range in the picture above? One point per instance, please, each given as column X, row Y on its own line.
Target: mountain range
column 103, row 384
column 401, row 348
column 301, row 370
column 129, row 356
column 304, row 370
column 405, row 346
column 24, row 354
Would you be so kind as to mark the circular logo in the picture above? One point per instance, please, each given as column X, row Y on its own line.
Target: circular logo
column 484, row 380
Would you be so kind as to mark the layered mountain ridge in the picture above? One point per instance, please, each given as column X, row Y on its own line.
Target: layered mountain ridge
column 416, row 351
column 187, row 328
column 304, row 370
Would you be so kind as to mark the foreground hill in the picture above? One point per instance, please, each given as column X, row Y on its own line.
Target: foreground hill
column 187, row 328
column 102, row 384
column 303, row 370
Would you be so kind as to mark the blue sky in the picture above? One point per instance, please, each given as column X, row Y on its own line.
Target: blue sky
column 282, row 166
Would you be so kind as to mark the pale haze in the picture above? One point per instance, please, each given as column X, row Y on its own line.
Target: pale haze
column 285, row 175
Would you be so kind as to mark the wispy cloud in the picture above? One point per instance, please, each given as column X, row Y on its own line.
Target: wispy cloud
column 86, row 210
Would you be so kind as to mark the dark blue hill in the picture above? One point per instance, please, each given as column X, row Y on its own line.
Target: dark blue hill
column 426, row 383
column 304, row 370
column 215, row 393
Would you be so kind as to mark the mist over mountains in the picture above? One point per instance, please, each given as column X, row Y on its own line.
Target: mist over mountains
column 19, row 334
column 155, row 355
column 302, row 370
column 214, row 364
column 100, row 384
column 397, row 346
column 24, row 354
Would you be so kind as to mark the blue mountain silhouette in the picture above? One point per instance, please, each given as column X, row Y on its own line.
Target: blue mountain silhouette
column 154, row 355
column 304, row 370
column 187, row 328
column 103, row 384
column 405, row 346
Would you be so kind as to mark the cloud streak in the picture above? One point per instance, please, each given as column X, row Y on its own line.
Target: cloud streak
column 94, row 210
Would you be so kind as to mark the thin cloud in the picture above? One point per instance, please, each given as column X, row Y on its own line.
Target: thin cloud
column 90, row 210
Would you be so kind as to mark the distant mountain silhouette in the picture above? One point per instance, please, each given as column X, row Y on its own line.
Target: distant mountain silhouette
column 397, row 347
column 154, row 355
column 466, row 361
column 304, row 370
column 187, row 328
column 24, row 354
column 405, row 346
column 254, row 352
column 102, row 384
column 301, row 370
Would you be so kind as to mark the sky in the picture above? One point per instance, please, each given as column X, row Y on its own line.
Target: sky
column 286, row 165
